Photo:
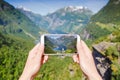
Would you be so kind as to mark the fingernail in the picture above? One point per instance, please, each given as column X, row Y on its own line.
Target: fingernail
column 78, row 38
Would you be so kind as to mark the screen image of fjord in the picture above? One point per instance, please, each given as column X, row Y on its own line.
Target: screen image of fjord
column 60, row 44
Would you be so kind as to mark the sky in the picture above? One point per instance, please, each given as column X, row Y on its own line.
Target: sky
column 44, row 7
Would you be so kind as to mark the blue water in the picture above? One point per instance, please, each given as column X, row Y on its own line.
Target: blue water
column 60, row 48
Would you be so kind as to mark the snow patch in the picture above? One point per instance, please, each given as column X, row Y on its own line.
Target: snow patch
column 75, row 8
column 23, row 8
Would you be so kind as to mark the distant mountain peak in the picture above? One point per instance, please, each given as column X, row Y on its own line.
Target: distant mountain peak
column 74, row 8
column 68, row 19
column 23, row 8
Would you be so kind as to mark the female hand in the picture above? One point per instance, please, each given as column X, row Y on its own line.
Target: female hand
column 34, row 62
column 86, row 62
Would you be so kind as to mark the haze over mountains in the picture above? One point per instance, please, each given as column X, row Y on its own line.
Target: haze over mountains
column 69, row 19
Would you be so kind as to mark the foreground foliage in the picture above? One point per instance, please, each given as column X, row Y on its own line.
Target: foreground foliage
column 13, row 54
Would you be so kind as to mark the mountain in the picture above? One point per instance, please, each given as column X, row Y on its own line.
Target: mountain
column 15, row 27
column 36, row 18
column 15, row 23
column 62, row 44
column 65, row 20
column 112, row 12
column 69, row 19
column 104, row 30
column 17, row 33
column 106, row 21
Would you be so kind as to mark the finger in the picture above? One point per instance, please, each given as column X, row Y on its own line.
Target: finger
column 40, row 50
column 36, row 46
column 80, row 49
column 83, row 49
column 87, row 51
column 85, row 46
column 45, row 59
column 34, row 50
column 78, row 60
column 75, row 58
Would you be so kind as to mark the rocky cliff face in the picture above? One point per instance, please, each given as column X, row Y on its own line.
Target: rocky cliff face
column 103, row 64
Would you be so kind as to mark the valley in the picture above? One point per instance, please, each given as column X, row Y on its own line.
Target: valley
column 60, row 44
column 65, row 20
column 20, row 28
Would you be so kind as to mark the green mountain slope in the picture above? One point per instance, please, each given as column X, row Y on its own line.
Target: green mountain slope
column 15, row 28
column 109, row 14
column 106, row 21
column 15, row 23
column 104, row 27
column 36, row 18
column 13, row 54
column 17, row 33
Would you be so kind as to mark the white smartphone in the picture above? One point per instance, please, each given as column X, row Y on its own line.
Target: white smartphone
column 60, row 44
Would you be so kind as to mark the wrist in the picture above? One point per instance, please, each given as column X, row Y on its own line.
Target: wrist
column 26, row 77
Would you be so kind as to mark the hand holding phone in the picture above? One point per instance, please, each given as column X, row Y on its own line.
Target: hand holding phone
column 60, row 44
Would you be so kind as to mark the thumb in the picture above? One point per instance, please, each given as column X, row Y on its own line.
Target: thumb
column 41, row 50
column 80, row 49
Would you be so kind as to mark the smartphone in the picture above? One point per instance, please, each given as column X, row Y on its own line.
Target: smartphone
column 60, row 44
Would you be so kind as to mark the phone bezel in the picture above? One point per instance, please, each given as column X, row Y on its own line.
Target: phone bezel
column 70, row 54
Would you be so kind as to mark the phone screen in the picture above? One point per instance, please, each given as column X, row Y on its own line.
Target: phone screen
column 60, row 44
